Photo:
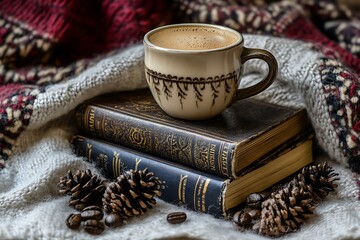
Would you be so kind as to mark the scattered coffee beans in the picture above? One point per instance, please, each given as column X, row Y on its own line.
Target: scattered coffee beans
column 176, row 217
column 114, row 220
column 92, row 212
column 73, row 221
column 94, row 227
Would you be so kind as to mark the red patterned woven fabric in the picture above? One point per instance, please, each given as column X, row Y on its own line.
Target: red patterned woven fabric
column 44, row 42
column 332, row 28
column 16, row 104
column 81, row 28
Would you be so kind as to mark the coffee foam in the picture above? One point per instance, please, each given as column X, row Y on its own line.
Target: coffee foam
column 193, row 38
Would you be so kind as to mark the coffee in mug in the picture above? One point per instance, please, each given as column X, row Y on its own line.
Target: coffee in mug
column 194, row 70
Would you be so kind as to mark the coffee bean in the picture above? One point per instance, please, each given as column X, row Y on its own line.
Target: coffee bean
column 176, row 217
column 236, row 216
column 80, row 206
column 73, row 221
column 254, row 200
column 94, row 227
column 242, row 219
column 247, row 209
column 114, row 220
column 254, row 213
column 92, row 212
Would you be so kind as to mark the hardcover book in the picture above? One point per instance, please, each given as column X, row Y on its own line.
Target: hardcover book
column 192, row 188
column 223, row 145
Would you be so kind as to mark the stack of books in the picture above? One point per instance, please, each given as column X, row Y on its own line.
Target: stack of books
column 210, row 165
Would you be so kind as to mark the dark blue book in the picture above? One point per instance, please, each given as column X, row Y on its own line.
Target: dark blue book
column 197, row 190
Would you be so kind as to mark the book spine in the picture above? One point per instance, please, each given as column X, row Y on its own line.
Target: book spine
column 182, row 185
column 174, row 144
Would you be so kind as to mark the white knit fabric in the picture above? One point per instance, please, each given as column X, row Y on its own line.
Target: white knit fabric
column 31, row 208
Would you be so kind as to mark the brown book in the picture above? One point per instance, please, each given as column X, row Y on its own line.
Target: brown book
column 223, row 145
column 195, row 189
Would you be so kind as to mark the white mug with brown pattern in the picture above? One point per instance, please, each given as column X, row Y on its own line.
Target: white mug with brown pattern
column 194, row 70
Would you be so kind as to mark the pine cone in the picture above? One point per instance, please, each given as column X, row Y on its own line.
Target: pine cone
column 84, row 187
column 132, row 193
column 320, row 180
column 287, row 208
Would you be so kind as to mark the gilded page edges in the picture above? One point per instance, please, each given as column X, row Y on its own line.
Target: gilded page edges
column 233, row 160
column 222, row 199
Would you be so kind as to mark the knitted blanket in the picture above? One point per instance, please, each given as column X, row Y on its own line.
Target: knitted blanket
column 54, row 56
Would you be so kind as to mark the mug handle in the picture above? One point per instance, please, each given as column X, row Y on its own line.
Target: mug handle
column 255, row 53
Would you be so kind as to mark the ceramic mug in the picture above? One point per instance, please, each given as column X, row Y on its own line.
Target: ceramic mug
column 194, row 70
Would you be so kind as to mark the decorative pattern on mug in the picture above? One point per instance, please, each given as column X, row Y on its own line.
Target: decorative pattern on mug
column 180, row 85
